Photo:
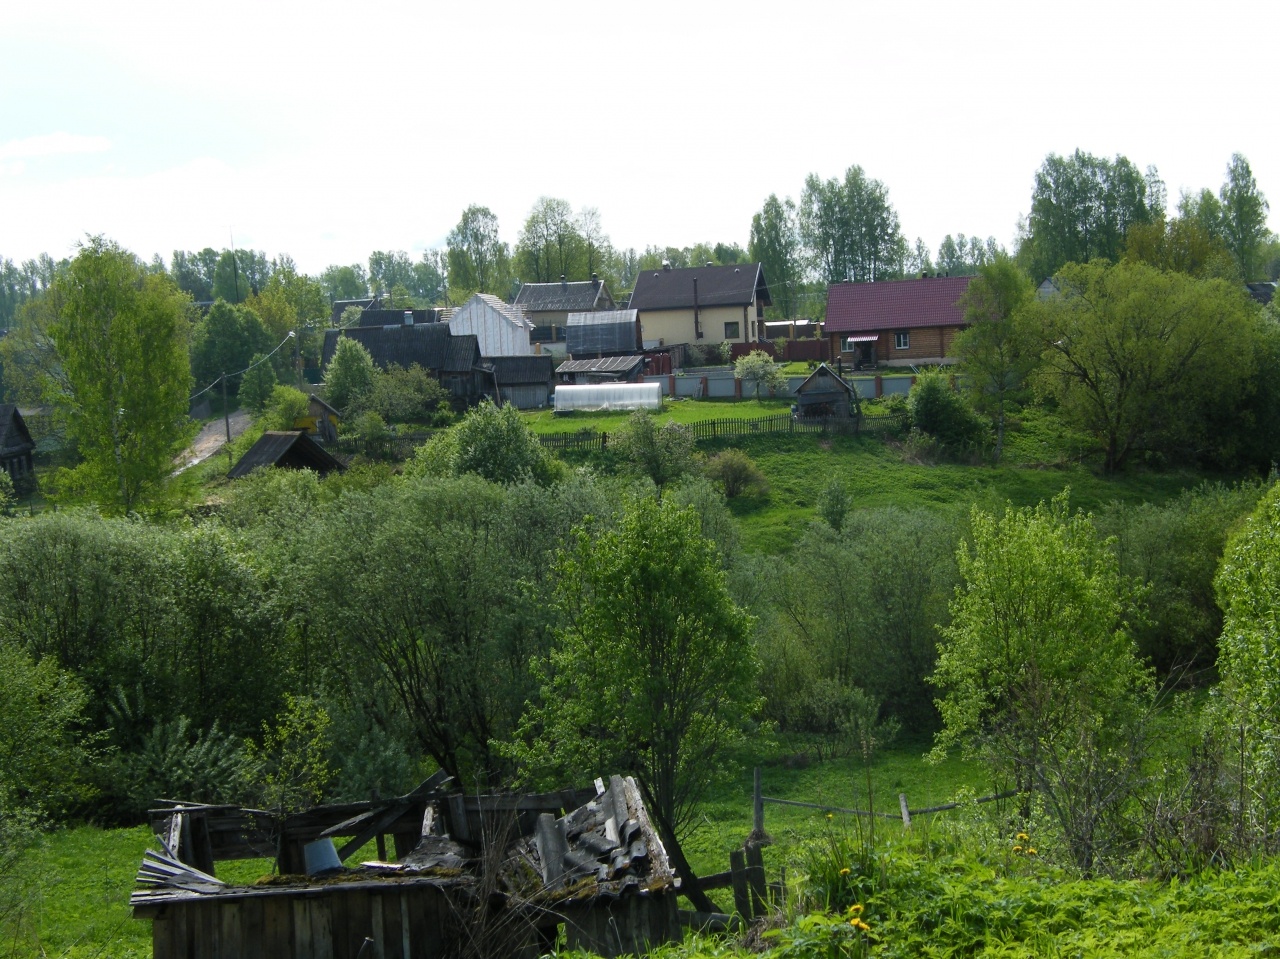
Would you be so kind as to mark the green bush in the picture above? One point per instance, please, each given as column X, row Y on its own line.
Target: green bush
column 736, row 474
column 942, row 413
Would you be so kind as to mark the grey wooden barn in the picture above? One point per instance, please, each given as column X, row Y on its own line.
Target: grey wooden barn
column 825, row 393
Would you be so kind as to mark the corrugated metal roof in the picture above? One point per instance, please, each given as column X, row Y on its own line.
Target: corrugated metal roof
column 563, row 297
column 895, row 304
column 604, row 331
column 607, row 364
column 717, row 286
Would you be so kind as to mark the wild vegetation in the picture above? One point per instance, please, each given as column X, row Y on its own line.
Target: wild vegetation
column 1057, row 580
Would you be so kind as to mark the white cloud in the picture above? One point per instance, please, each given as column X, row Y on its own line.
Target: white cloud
column 53, row 144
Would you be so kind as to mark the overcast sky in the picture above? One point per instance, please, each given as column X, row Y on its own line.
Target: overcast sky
column 326, row 130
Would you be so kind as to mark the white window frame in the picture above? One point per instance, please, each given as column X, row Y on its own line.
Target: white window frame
column 902, row 340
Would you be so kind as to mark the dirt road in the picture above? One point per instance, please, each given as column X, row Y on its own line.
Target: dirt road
column 211, row 438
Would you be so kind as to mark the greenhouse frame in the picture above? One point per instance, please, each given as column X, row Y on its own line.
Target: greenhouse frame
column 609, row 396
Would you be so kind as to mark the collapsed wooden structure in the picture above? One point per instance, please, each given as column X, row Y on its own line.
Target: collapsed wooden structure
column 474, row 874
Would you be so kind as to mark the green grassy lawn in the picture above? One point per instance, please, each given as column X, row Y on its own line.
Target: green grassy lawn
column 679, row 411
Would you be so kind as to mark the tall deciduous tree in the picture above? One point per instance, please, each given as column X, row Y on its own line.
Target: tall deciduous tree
column 775, row 245
column 122, row 343
column 653, row 672
column 1082, row 207
column 1244, row 218
column 345, row 282
column 225, row 341
column 850, row 229
column 1137, row 357
column 479, row 262
column 551, row 244
column 350, row 373
column 1037, row 671
column 1000, row 346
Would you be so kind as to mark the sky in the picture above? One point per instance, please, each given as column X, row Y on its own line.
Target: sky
column 328, row 130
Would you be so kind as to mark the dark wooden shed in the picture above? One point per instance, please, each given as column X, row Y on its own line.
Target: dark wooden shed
column 287, row 450
column 16, row 444
column 825, row 393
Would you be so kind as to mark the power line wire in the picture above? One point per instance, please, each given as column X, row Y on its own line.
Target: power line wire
column 245, row 370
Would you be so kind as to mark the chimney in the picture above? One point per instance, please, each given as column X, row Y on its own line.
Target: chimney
column 709, row 263
column 666, row 266
column 924, row 274
column 408, row 317
column 595, row 280
column 564, row 285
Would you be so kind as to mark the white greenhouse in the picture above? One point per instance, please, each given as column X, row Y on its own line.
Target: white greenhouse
column 609, row 396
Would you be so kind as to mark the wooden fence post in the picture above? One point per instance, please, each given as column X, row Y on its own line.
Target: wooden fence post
column 741, row 891
column 906, row 813
column 757, row 808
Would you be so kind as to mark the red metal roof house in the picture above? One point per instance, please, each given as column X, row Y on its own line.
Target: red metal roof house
column 896, row 322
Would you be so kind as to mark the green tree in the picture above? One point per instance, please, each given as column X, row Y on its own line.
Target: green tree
column 349, row 375
column 225, row 341
column 1082, row 207
column 402, row 395
column 1000, row 347
column 494, row 443
column 293, row 756
column 1137, row 357
column 758, row 371
column 653, row 671
column 736, row 474
column 44, row 754
column 285, row 408
column 479, row 262
column 775, row 245
column 1037, row 671
column 1244, row 218
column 257, row 383
column 550, row 244
column 345, row 282
column 121, row 340
column 965, row 256
column 662, row 453
column 850, row 229
column 193, row 273
column 1181, row 245
column 1248, row 589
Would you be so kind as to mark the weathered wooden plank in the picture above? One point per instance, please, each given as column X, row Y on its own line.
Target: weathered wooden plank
column 253, row 929
column 277, row 928
column 322, row 943
column 741, row 891
column 303, row 948
column 377, row 928
column 756, row 881
column 406, row 927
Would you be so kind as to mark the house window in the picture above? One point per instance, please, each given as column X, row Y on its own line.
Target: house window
column 732, row 330
column 902, row 341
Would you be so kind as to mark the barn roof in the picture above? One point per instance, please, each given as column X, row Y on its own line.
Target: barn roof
column 611, row 365
column 430, row 345
column 288, row 450
column 825, row 376
column 895, row 304
column 14, row 435
column 602, row 331
column 563, row 296
column 520, row 370
column 717, row 286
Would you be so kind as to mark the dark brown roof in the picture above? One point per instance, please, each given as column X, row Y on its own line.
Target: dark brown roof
column 286, row 450
column 520, row 370
column 895, row 304
column 563, row 297
column 371, row 317
column 14, row 435
column 717, row 286
column 430, row 345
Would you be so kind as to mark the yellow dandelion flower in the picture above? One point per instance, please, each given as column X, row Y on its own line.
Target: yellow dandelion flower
column 1017, row 849
column 855, row 909
column 1031, row 850
column 1022, row 837
column 844, row 871
column 830, row 816
column 859, row 925
column 854, row 922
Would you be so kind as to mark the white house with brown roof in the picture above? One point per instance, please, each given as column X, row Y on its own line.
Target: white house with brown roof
column 895, row 322
column 703, row 305
column 502, row 329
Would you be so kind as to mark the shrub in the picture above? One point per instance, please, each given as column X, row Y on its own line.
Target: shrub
column 178, row 762
column 402, row 395
column 257, row 384
column 285, row 408
column 834, row 504
column 662, row 453
column 350, row 374
column 736, row 474
column 941, row 412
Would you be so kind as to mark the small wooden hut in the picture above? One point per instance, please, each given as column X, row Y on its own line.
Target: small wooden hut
column 16, row 444
column 287, row 450
column 825, row 393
